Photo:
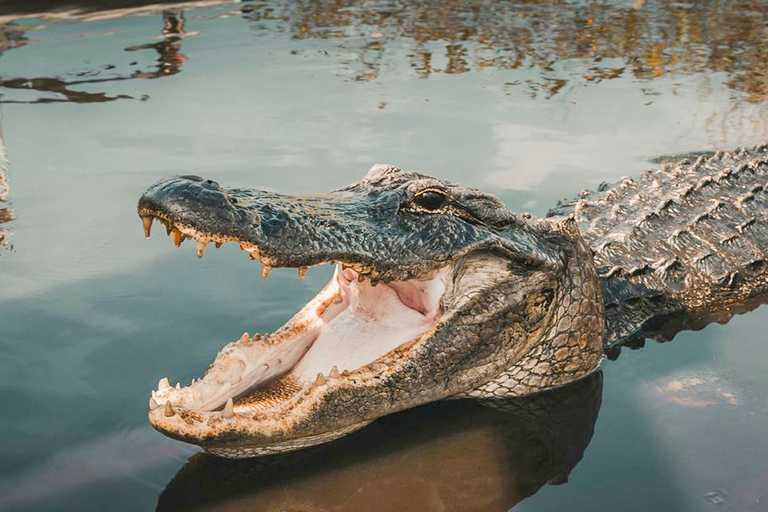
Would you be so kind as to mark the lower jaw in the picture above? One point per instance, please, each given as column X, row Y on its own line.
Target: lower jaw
column 279, row 393
column 299, row 421
column 246, row 450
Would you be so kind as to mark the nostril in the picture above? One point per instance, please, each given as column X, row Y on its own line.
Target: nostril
column 233, row 200
column 211, row 183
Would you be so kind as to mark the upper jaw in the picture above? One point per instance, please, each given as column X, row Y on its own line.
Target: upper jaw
column 358, row 227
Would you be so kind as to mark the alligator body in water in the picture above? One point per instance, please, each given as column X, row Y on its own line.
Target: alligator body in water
column 441, row 291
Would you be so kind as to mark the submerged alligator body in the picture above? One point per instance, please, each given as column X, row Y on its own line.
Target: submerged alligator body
column 441, row 291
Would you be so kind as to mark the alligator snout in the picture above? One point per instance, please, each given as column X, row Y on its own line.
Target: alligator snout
column 192, row 200
column 178, row 192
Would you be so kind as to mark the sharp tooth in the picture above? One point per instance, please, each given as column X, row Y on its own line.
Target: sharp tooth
column 168, row 409
column 229, row 408
column 200, row 248
column 154, row 394
column 320, row 380
column 168, row 227
column 153, row 404
column 360, row 278
column 177, row 237
column 218, row 245
column 178, row 385
column 303, row 272
column 245, row 338
column 147, row 225
column 344, row 266
column 265, row 270
column 374, row 282
column 334, row 373
column 256, row 337
column 345, row 373
column 163, row 384
column 252, row 255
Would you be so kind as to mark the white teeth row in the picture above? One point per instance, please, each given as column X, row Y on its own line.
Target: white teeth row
column 147, row 225
column 227, row 413
column 321, row 380
column 179, row 237
column 229, row 408
column 164, row 388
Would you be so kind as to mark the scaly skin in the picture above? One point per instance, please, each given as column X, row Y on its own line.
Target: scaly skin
column 511, row 308
column 685, row 242
column 523, row 306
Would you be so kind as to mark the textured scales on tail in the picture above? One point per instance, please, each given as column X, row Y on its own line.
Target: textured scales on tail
column 690, row 238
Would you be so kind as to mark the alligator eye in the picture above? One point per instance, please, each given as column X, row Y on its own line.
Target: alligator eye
column 429, row 199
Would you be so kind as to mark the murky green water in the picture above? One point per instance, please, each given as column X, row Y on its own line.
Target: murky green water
column 533, row 102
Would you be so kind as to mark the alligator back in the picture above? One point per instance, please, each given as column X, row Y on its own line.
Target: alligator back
column 680, row 246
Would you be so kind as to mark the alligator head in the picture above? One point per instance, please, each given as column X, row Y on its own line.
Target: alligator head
column 438, row 291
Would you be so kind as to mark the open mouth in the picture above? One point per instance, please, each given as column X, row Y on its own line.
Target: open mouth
column 357, row 327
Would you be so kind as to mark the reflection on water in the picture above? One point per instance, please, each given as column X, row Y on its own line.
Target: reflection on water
column 169, row 62
column 664, row 328
column 61, row 87
column 460, row 455
column 170, row 58
column 11, row 36
column 570, row 44
column 646, row 40
column 6, row 213
column 93, row 10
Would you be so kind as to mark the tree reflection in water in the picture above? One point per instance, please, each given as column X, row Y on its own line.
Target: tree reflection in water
column 568, row 44
column 646, row 40
column 169, row 63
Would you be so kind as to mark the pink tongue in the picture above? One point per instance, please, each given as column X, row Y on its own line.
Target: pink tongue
column 411, row 296
column 420, row 296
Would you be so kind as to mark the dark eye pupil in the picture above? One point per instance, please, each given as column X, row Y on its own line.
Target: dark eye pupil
column 430, row 200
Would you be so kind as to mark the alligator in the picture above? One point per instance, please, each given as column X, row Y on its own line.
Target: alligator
column 440, row 291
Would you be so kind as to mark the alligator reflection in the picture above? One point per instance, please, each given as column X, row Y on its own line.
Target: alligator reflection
column 169, row 63
column 665, row 327
column 455, row 455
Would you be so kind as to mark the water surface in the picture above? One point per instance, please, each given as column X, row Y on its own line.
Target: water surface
column 533, row 102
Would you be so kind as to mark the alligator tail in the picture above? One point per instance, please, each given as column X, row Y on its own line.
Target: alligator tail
column 681, row 246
